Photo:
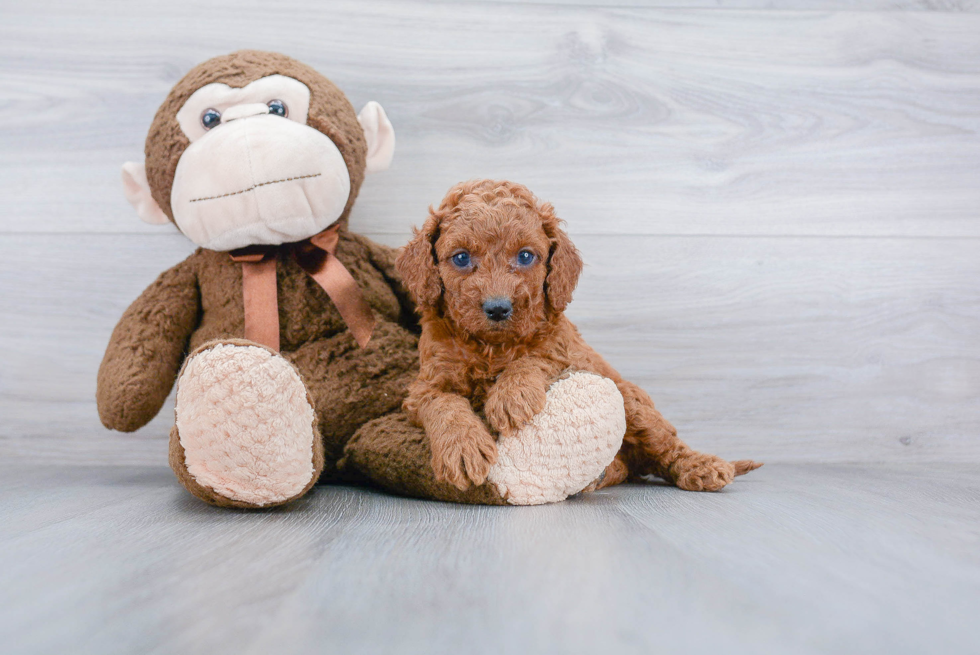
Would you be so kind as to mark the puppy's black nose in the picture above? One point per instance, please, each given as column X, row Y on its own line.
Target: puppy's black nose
column 497, row 309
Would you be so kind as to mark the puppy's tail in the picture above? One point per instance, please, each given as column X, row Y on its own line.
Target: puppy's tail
column 743, row 466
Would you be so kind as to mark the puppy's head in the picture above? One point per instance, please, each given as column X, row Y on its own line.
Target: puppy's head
column 493, row 260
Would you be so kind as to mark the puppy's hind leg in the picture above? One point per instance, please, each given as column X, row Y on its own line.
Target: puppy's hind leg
column 651, row 447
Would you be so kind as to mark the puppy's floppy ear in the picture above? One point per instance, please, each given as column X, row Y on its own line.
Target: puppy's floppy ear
column 416, row 263
column 564, row 262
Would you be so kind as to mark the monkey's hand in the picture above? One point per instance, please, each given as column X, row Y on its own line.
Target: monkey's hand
column 146, row 350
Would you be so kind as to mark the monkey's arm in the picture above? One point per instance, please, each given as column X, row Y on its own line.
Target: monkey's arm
column 146, row 349
column 383, row 259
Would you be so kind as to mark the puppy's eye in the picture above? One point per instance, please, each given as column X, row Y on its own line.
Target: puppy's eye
column 525, row 257
column 461, row 259
column 278, row 107
column 210, row 118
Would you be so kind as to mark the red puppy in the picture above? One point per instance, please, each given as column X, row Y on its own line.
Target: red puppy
column 492, row 272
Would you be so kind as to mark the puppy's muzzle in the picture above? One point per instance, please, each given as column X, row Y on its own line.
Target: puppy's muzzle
column 498, row 309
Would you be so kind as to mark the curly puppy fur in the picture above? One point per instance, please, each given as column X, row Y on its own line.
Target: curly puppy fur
column 472, row 364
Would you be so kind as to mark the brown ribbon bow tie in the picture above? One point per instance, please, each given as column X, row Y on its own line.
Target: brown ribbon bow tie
column 316, row 256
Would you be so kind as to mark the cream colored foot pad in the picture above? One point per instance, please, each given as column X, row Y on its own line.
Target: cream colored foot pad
column 566, row 446
column 246, row 424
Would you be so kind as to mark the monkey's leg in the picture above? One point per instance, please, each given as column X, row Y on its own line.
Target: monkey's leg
column 559, row 453
column 651, row 446
column 246, row 432
column 394, row 454
column 257, row 428
column 351, row 385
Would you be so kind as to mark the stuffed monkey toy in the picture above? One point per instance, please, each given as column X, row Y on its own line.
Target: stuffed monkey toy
column 290, row 331
column 292, row 340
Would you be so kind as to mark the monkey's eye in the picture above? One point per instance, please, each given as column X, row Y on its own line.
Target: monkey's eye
column 525, row 257
column 461, row 259
column 278, row 107
column 210, row 118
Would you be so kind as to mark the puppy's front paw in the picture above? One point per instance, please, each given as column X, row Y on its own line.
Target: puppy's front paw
column 510, row 407
column 702, row 472
column 464, row 456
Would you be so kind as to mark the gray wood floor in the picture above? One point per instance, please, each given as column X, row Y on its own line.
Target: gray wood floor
column 803, row 558
column 779, row 206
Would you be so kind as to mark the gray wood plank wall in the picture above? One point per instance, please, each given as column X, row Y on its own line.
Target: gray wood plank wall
column 778, row 206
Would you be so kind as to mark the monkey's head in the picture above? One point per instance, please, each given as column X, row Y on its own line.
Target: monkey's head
column 255, row 148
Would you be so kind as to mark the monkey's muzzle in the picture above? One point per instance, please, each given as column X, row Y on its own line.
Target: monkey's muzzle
column 260, row 180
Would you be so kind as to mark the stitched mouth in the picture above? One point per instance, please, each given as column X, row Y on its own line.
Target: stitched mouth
column 256, row 186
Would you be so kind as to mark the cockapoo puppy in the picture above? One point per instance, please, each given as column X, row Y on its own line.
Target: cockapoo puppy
column 492, row 272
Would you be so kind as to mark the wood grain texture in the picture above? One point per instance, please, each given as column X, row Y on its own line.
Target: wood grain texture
column 785, row 5
column 779, row 348
column 779, row 207
column 631, row 120
column 792, row 559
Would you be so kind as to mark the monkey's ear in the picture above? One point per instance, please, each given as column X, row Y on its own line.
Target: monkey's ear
column 380, row 136
column 137, row 192
column 416, row 263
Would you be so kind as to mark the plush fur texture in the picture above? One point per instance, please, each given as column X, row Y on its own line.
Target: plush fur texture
column 471, row 364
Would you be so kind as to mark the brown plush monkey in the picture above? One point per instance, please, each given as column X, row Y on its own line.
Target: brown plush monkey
column 255, row 149
column 292, row 340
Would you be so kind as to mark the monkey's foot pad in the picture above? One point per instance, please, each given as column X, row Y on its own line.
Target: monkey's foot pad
column 565, row 447
column 246, row 424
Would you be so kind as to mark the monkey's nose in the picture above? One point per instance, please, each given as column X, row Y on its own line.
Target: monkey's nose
column 498, row 309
